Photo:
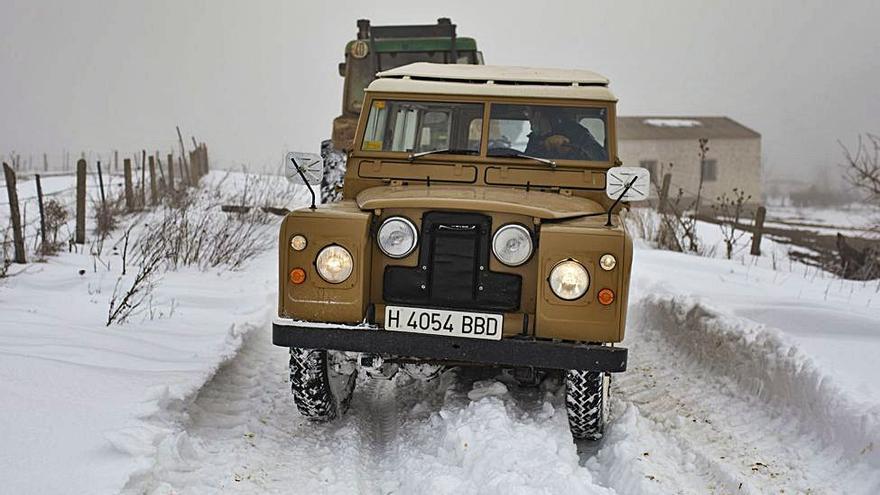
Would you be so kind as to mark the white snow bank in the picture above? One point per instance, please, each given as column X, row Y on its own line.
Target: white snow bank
column 79, row 401
column 768, row 366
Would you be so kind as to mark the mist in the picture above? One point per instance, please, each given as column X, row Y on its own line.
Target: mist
column 254, row 79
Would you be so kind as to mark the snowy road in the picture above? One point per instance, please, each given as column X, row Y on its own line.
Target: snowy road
column 681, row 425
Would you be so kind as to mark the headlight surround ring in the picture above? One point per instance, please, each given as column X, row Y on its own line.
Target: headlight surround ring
column 569, row 280
column 397, row 237
column 334, row 264
column 512, row 233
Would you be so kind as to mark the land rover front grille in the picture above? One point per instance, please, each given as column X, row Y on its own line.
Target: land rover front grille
column 453, row 270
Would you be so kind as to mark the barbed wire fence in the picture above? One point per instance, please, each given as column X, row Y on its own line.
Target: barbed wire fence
column 95, row 182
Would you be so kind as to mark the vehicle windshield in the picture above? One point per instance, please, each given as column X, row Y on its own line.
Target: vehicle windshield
column 548, row 131
column 417, row 127
column 391, row 60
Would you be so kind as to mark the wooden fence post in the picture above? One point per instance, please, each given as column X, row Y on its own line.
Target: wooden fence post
column 162, row 182
column 664, row 193
column 80, row 202
column 143, row 178
column 154, row 193
column 759, row 230
column 116, row 161
column 205, row 166
column 184, row 172
column 193, row 169
column 101, row 185
column 129, row 187
column 170, row 172
column 45, row 163
column 15, row 213
column 43, row 240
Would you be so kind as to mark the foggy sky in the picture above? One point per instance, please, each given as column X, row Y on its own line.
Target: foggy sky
column 253, row 79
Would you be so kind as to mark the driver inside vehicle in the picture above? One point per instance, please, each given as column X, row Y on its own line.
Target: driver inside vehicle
column 556, row 134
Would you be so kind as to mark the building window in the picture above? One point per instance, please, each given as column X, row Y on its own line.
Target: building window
column 651, row 166
column 710, row 170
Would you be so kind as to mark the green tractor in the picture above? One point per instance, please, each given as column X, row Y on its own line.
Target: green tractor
column 376, row 49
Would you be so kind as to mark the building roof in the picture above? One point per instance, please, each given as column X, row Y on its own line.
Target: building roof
column 677, row 127
column 493, row 80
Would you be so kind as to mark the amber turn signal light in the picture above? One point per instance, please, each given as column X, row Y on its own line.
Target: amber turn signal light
column 606, row 297
column 297, row 276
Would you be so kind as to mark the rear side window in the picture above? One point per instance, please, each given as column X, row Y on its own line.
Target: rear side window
column 417, row 126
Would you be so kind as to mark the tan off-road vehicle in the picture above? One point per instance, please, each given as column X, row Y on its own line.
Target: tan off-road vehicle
column 481, row 225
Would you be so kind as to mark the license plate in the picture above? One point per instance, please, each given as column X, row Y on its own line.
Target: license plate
column 442, row 322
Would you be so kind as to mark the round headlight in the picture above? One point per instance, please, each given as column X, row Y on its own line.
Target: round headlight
column 512, row 244
column 397, row 237
column 298, row 242
column 608, row 262
column 334, row 264
column 569, row 280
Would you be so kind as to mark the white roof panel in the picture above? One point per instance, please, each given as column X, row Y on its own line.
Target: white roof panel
column 497, row 74
column 417, row 86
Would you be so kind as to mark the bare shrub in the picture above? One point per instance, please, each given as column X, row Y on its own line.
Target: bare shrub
column 189, row 229
column 642, row 222
column 4, row 252
column 862, row 167
column 677, row 231
column 862, row 172
column 128, row 302
column 55, row 216
column 107, row 215
column 199, row 234
column 729, row 210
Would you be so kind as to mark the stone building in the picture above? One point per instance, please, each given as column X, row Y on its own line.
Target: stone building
column 733, row 159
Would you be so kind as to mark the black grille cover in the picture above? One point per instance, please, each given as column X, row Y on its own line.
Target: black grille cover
column 453, row 248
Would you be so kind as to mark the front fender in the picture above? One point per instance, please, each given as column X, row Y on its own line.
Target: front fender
column 317, row 300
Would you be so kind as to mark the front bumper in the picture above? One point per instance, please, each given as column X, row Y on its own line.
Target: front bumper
column 511, row 351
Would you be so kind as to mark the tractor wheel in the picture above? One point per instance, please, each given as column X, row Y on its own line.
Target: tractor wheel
column 334, row 172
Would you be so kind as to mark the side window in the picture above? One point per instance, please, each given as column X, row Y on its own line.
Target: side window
column 710, row 170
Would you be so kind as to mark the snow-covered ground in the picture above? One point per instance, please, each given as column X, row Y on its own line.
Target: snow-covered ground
column 855, row 219
column 742, row 379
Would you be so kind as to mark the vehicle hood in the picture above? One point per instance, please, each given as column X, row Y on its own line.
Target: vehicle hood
column 544, row 205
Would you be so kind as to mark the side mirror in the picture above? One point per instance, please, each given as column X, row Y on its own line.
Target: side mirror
column 304, row 168
column 618, row 178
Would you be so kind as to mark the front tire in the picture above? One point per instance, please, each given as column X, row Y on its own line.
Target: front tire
column 319, row 392
column 586, row 400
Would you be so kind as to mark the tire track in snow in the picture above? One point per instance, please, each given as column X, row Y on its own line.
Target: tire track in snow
column 683, row 427
column 242, row 434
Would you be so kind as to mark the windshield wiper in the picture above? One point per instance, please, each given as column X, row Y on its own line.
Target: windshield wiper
column 413, row 156
column 535, row 158
column 512, row 153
